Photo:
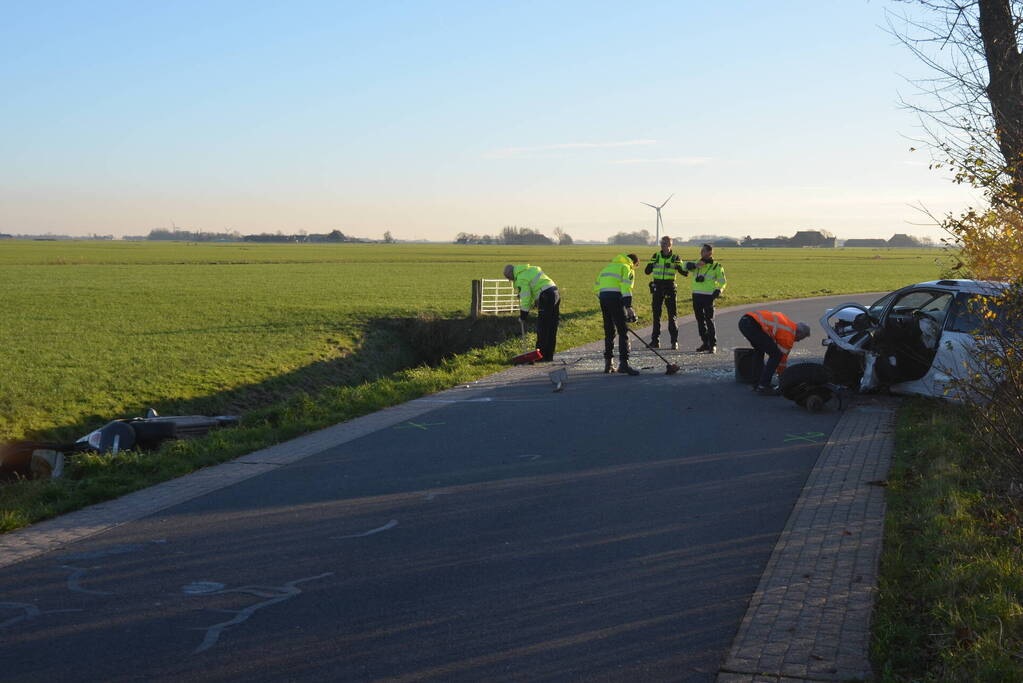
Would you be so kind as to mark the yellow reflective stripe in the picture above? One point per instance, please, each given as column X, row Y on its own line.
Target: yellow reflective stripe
column 775, row 324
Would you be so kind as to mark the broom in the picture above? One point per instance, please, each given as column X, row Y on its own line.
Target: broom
column 670, row 368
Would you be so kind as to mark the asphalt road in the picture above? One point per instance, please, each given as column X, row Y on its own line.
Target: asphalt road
column 613, row 531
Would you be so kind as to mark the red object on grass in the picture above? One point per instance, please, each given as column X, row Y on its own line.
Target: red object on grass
column 527, row 357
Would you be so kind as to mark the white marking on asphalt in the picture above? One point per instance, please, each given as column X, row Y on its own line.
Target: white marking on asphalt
column 202, row 587
column 112, row 550
column 273, row 595
column 531, row 456
column 455, row 400
column 29, row 611
column 390, row 525
column 76, row 575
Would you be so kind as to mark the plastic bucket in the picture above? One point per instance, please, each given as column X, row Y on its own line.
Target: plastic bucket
column 748, row 366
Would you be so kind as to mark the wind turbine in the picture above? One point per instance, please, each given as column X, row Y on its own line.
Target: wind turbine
column 658, row 210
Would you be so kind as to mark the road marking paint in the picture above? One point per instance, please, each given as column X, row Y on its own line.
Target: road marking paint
column 390, row 525
column 29, row 611
column 274, row 594
column 456, row 400
column 811, row 437
column 112, row 550
column 531, row 456
column 76, row 575
column 202, row 587
column 418, row 425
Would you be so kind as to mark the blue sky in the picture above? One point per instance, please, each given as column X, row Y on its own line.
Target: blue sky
column 431, row 118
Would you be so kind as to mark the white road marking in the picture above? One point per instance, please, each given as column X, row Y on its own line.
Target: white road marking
column 112, row 550
column 390, row 525
column 456, row 400
column 273, row 595
column 202, row 587
column 76, row 575
column 29, row 611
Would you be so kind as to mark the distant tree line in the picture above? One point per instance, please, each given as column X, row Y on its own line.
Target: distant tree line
column 178, row 235
column 640, row 237
column 512, row 234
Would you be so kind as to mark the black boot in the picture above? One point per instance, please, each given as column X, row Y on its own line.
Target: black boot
column 625, row 369
column 608, row 368
column 703, row 347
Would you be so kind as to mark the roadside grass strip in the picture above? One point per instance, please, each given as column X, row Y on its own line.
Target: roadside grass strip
column 296, row 337
column 950, row 604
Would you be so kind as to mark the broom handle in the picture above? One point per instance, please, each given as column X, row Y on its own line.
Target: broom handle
column 647, row 345
column 522, row 327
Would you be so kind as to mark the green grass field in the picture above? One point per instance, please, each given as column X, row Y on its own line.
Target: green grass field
column 293, row 337
column 93, row 330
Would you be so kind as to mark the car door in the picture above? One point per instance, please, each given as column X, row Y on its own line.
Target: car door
column 911, row 332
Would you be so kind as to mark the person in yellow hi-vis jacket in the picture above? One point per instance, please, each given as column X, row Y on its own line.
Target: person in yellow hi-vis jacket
column 662, row 268
column 614, row 289
column 535, row 287
column 708, row 283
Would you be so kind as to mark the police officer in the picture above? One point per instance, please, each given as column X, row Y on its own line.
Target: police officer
column 708, row 283
column 534, row 286
column 663, row 266
column 614, row 289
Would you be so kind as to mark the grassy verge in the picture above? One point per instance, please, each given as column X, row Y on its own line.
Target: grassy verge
column 950, row 606
column 291, row 337
column 94, row 478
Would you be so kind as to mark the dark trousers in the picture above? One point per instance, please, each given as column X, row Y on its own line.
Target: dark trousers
column 762, row 344
column 664, row 294
column 613, row 310
column 703, row 309
column 548, row 313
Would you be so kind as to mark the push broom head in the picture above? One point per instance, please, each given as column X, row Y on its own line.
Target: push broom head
column 671, row 369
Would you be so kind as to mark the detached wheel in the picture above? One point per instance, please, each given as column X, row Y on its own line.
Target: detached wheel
column 814, row 403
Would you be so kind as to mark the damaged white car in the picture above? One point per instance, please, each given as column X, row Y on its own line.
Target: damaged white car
column 916, row 340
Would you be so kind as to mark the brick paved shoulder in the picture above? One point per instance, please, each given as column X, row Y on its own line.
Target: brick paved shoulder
column 809, row 618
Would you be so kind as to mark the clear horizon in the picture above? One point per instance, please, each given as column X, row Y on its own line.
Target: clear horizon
column 428, row 120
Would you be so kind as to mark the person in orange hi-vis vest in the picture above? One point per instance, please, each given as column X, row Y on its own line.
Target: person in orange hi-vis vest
column 772, row 334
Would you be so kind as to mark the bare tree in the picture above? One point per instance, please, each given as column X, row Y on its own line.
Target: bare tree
column 972, row 106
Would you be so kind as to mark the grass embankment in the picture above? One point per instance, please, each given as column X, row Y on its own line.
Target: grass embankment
column 950, row 606
column 293, row 337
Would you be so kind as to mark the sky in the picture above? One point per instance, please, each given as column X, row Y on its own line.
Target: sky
column 427, row 119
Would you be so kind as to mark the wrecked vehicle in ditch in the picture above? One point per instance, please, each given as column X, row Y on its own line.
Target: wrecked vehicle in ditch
column 915, row 340
column 45, row 460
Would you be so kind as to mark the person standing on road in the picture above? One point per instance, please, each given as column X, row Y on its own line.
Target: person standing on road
column 663, row 266
column 534, row 287
column 614, row 289
column 708, row 283
column 773, row 334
